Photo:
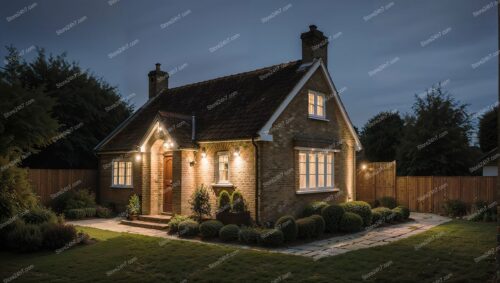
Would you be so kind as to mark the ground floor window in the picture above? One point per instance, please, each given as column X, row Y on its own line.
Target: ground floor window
column 315, row 170
column 122, row 173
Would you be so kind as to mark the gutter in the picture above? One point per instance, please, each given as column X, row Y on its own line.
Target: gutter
column 257, row 192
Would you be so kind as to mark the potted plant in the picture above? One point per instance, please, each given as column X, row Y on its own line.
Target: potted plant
column 133, row 207
column 237, row 214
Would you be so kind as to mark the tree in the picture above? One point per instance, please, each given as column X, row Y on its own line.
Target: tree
column 436, row 137
column 488, row 130
column 87, row 109
column 381, row 136
column 26, row 126
column 200, row 202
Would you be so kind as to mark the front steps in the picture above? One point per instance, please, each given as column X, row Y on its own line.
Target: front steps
column 158, row 222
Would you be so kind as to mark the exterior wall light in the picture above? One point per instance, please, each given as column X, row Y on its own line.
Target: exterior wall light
column 137, row 157
column 363, row 166
column 203, row 153
column 237, row 152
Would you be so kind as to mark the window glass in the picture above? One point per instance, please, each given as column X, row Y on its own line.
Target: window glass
column 315, row 170
column 223, row 167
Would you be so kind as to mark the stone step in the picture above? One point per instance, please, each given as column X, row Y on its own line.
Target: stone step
column 155, row 218
column 145, row 224
column 167, row 213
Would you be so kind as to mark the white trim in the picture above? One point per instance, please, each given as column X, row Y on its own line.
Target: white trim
column 223, row 185
column 264, row 132
column 316, row 149
column 303, row 192
column 124, row 123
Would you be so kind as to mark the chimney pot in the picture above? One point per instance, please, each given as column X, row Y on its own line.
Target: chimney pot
column 314, row 45
column 313, row 27
column 158, row 81
column 158, row 67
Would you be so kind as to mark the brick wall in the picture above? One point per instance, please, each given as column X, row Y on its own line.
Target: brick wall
column 279, row 160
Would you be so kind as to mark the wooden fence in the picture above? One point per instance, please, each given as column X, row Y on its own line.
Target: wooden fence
column 49, row 183
column 422, row 193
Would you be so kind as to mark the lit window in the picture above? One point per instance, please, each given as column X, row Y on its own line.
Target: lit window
column 122, row 174
column 223, row 167
column 316, row 105
column 315, row 170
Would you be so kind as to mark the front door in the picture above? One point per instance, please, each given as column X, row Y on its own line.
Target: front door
column 167, row 184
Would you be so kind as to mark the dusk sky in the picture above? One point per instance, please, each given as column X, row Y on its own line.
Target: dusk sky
column 381, row 52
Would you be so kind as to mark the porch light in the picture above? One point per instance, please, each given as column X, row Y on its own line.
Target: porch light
column 203, row 153
column 168, row 144
column 137, row 157
column 237, row 152
column 363, row 166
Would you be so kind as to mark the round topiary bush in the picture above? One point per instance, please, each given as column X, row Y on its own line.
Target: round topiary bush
column 223, row 202
column 188, row 228
column 388, row 202
column 385, row 214
column 173, row 224
column 25, row 238
column 398, row 214
column 332, row 215
column 351, row 222
column 319, row 224
column 306, row 227
column 55, row 236
column 405, row 211
column 287, row 225
column 313, row 208
column 210, row 228
column 249, row 236
column 376, row 218
column 229, row 233
column 271, row 238
column 361, row 208
column 238, row 202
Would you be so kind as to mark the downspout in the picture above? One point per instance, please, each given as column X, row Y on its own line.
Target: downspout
column 193, row 127
column 257, row 192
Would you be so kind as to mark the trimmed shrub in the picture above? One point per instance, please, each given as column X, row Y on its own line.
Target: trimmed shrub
column 134, row 205
column 229, row 233
column 75, row 199
column 405, row 211
column 200, row 202
column 103, row 212
column 287, row 225
column 313, row 208
column 361, row 208
column 77, row 213
column 388, row 202
column 306, row 227
column 39, row 215
column 57, row 235
column 398, row 214
column 223, row 202
column 249, row 236
column 351, row 222
column 174, row 222
column 455, row 208
column 385, row 213
column 237, row 202
column 376, row 217
column 90, row 211
column 188, row 228
column 210, row 228
column 271, row 238
column 332, row 215
column 25, row 238
column 319, row 224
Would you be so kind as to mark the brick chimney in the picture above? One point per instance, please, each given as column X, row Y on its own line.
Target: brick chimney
column 314, row 45
column 158, row 81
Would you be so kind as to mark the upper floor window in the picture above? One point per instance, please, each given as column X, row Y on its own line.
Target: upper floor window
column 222, row 167
column 122, row 173
column 316, row 105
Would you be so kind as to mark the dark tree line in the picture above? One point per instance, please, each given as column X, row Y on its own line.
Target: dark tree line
column 434, row 139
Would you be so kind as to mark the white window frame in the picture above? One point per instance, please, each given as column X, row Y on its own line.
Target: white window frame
column 316, row 188
column 124, row 185
column 315, row 115
column 217, row 172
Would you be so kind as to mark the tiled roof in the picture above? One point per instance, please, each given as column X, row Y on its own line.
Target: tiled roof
column 226, row 108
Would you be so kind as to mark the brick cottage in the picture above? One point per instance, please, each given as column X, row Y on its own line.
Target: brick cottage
column 280, row 135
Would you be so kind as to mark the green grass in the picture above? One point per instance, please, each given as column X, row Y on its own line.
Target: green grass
column 160, row 260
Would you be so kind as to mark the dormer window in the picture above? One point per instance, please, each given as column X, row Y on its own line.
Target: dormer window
column 316, row 105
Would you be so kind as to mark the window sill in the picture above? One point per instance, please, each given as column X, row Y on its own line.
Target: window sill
column 317, row 191
column 319, row 118
column 121, row 187
column 223, row 185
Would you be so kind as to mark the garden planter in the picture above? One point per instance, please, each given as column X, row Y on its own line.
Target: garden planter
column 238, row 218
column 132, row 217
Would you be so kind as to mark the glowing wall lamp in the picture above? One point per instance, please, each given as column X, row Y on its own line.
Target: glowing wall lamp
column 137, row 157
column 203, row 153
column 237, row 152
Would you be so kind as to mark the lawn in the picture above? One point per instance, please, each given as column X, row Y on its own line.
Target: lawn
column 445, row 252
